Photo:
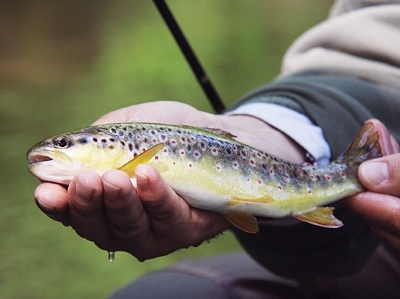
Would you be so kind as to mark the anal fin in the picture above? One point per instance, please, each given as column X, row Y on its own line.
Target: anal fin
column 244, row 221
column 321, row 216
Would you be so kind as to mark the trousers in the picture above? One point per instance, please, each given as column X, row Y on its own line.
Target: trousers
column 237, row 276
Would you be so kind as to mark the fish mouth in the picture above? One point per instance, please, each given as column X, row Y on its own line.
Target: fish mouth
column 35, row 158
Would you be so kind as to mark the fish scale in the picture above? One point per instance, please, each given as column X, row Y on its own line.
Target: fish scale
column 210, row 169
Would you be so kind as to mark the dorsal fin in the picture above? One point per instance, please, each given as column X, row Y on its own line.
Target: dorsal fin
column 219, row 132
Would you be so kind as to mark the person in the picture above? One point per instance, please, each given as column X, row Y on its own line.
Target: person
column 335, row 77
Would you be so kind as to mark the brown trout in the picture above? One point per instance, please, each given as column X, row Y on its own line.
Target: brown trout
column 210, row 169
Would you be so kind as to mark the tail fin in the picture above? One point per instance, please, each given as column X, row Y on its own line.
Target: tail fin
column 365, row 146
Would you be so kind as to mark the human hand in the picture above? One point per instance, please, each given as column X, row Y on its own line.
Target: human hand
column 380, row 205
column 151, row 220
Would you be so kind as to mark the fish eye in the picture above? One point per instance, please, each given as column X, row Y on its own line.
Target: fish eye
column 62, row 142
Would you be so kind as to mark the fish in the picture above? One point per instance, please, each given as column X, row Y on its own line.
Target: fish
column 210, row 169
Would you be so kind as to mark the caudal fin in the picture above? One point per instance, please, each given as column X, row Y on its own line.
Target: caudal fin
column 365, row 146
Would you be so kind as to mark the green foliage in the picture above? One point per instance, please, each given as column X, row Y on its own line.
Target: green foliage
column 240, row 43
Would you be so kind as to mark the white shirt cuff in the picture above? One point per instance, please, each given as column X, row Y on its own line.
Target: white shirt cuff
column 294, row 124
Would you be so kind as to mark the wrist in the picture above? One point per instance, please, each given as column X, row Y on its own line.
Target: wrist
column 259, row 134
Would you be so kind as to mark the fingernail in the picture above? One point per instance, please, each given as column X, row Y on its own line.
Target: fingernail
column 111, row 191
column 142, row 181
column 375, row 172
column 82, row 189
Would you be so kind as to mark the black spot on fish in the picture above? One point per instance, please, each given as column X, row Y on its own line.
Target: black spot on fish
column 112, row 140
column 111, row 147
column 94, row 139
column 122, row 142
column 113, row 130
column 130, row 146
column 81, row 140
column 104, row 140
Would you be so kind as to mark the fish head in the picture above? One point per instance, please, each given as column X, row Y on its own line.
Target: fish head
column 59, row 158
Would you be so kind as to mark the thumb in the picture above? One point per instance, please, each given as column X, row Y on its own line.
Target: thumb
column 381, row 175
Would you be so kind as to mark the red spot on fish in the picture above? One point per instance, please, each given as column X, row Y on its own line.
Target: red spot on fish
column 218, row 167
column 235, row 165
column 342, row 174
column 154, row 140
column 214, row 151
column 165, row 150
column 309, row 191
column 259, row 182
column 182, row 152
column 300, row 172
column 252, row 162
column 279, row 187
column 311, row 177
column 155, row 157
column 190, row 165
column 271, row 171
column 328, row 178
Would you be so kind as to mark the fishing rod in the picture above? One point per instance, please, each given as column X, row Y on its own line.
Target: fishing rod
column 191, row 58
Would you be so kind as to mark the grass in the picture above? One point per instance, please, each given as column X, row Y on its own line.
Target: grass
column 240, row 43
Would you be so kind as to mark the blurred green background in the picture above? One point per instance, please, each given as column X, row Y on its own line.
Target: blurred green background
column 65, row 63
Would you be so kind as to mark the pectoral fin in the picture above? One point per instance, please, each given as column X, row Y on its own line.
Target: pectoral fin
column 143, row 158
column 244, row 221
column 321, row 216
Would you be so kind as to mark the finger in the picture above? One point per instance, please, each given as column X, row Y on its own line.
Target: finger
column 157, row 197
column 171, row 214
column 52, row 199
column 85, row 207
column 395, row 145
column 126, row 217
column 381, row 175
column 381, row 211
